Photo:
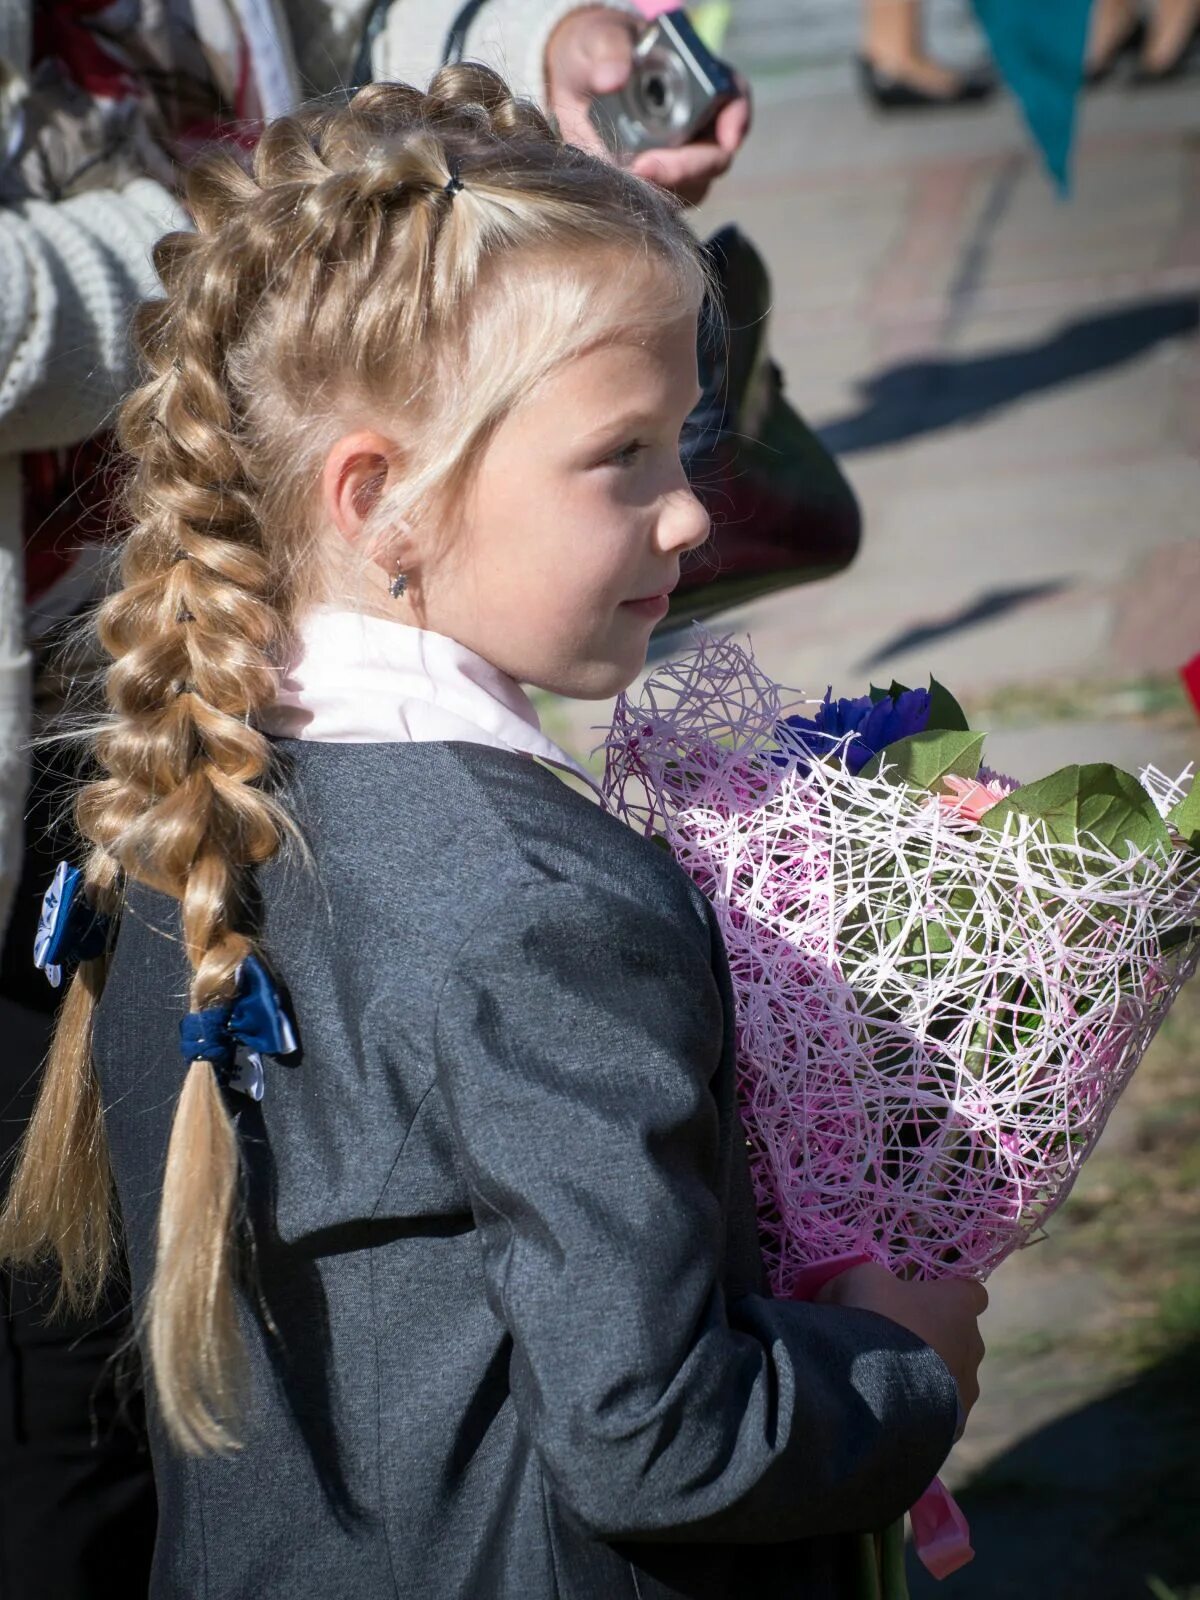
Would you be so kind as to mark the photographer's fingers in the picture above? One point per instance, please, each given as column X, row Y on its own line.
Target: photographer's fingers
column 733, row 121
column 688, row 171
column 691, row 170
column 590, row 53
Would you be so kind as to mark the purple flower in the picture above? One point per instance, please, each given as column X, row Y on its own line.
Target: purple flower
column 866, row 728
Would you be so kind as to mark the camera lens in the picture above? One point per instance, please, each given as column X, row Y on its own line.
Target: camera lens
column 658, row 96
column 655, row 91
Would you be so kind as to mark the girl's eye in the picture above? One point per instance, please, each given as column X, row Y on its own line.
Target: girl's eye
column 627, row 454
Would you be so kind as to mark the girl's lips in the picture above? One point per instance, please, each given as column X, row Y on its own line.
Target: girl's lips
column 653, row 605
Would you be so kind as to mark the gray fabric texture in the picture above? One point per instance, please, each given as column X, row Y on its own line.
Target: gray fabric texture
column 509, row 1337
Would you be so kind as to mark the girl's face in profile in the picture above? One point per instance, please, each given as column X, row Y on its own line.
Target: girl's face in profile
column 577, row 519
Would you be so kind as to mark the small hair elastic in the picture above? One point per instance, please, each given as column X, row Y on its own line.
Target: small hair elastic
column 69, row 929
column 256, row 1018
column 453, row 184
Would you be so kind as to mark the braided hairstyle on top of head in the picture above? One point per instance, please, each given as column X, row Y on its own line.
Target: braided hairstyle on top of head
column 421, row 258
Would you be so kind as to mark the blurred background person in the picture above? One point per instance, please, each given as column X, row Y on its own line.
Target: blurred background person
column 1163, row 38
column 897, row 72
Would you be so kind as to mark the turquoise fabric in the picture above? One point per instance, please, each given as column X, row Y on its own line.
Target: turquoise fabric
column 1038, row 47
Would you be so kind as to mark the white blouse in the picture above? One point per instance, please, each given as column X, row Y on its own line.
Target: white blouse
column 358, row 679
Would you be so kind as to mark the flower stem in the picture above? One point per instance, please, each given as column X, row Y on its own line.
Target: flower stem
column 866, row 1569
column 893, row 1576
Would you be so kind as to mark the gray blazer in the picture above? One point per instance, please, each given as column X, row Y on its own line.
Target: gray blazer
column 508, row 1331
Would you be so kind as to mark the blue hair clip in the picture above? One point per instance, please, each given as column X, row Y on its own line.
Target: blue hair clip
column 69, row 930
column 256, row 1018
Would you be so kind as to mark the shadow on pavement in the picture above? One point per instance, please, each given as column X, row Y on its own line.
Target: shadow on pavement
column 919, row 397
column 1090, row 1506
column 991, row 604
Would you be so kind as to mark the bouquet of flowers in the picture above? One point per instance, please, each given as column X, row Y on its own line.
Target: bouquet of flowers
column 944, row 979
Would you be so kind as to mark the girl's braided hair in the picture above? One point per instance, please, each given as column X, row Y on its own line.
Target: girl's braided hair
column 347, row 274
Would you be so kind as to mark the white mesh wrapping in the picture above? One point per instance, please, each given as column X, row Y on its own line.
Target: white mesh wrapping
column 934, row 1020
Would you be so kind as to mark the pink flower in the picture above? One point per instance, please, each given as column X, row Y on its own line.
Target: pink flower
column 969, row 799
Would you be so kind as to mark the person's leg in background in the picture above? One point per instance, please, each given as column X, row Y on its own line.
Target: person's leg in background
column 1173, row 41
column 897, row 71
column 1163, row 38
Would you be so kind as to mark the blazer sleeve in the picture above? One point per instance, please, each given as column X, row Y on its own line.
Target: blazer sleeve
column 578, row 1037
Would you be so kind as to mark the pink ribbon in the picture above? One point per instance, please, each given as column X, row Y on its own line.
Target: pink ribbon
column 941, row 1536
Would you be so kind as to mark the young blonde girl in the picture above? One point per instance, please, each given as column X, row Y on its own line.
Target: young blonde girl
column 469, row 1303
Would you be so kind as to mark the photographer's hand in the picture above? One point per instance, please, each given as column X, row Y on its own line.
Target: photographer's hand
column 590, row 53
column 690, row 171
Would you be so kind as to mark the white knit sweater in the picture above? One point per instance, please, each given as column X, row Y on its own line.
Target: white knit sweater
column 71, row 273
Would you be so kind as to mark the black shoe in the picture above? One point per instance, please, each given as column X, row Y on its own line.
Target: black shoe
column 1129, row 44
column 890, row 92
column 1182, row 61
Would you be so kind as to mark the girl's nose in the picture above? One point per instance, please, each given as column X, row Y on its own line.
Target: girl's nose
column 684, row 523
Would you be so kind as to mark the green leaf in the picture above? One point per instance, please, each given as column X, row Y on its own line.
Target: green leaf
column 926, row 758
column 877, row 694
column 1097, row 800
column 897, row 690
column 944, row 711
column 1185, row 818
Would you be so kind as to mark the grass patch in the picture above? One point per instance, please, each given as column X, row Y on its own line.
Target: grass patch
column 1136, row 1211
column 1028, row 1346
column 1178, row 1314
column 1034, row 705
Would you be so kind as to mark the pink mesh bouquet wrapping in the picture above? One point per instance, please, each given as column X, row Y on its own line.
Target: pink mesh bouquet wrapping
column 943, row 980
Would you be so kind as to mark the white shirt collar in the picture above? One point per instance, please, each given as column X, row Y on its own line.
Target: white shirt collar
column 358, row 679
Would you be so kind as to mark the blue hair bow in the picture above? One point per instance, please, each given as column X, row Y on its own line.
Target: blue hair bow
column 256, row 1018
column 69, row 930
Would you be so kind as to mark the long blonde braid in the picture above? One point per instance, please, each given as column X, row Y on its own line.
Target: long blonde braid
column 335, row 276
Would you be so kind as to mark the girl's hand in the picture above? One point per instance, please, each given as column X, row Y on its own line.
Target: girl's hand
column 944, row 1314
column 591, row 53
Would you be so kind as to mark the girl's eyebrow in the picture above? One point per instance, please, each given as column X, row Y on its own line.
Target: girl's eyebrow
column 634, row 417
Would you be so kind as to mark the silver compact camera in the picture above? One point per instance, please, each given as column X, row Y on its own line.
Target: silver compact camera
column 674, row 91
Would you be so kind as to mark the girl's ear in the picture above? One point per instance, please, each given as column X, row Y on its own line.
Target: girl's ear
column 358, row 469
